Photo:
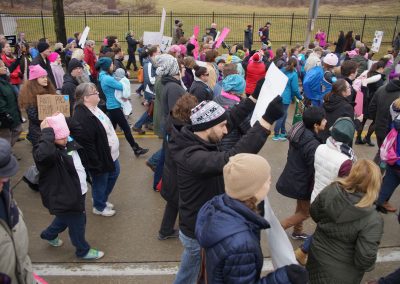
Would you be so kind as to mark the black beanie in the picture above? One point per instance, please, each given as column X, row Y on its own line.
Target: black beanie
column 190, row 47
column 42, row 46
column 74, row 63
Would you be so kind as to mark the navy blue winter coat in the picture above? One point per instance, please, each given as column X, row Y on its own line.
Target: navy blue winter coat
column 230, row 234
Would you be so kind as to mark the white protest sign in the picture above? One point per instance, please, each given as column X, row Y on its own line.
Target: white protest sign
column 84, row 37
column 163, row 16
column 376, row 44
column 397, row 69
column 165, row 44
column 152, row 38
column 279, row 245
column 201, row 63
column 275, row 84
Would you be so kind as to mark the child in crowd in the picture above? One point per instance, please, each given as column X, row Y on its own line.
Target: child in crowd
column 62, row 185
column 123, row 96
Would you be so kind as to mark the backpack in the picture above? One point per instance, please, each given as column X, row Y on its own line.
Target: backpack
column 312, row 83
column 388, row 150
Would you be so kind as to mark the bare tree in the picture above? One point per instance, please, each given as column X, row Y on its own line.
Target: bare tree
column 59, row 21
column 111, row 4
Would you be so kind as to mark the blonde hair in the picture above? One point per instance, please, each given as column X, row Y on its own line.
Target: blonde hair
column 396, row 103
column 77, row 54
column 365, row 177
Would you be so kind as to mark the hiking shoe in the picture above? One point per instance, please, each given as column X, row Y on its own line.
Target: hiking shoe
column 93, row 254
column 389, row 207
column 299, row 236
column 109, row 205
column 140, row 151
column 359, row 141
column 276, row 138
column 152, row 167
column 301, row 256
column 140, row 131
column 162, row 237
column 107, row 212
column 57, row 242
column 367, row 141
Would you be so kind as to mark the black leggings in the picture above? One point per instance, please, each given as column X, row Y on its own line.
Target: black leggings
column 131, row 60
column 117, row 117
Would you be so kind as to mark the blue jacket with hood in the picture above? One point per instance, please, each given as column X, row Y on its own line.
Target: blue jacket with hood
column 230, row 234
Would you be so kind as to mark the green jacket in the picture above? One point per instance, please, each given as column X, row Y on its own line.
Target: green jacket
column 346, row 240
column 9, row 103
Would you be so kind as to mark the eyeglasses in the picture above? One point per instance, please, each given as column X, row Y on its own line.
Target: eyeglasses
column 206, row 74
column 93, row 94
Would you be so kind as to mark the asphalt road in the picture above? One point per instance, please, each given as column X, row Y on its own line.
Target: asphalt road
column 133, row 254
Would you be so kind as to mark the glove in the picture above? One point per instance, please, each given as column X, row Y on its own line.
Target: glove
column 297, row 274
column 274, row 111
column 258, row 87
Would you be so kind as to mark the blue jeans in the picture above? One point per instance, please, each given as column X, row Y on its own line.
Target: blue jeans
column 190, row 261
column 76, row 223
column 153, row 160
column 144, row 119
column 280, row 123
column 102, row 186
column 317, row 103
column 305, row 247
column 390, row 181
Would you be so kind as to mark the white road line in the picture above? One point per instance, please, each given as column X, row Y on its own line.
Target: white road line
column 154, row 268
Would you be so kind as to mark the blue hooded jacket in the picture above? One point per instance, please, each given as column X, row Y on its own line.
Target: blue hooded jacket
column 230, row 234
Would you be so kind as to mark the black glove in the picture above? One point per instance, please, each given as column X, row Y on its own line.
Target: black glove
column 297, row 274
column 274, row 110
column 258, row 87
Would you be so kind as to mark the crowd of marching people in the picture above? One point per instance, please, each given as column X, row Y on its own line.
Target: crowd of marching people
column 200, row 102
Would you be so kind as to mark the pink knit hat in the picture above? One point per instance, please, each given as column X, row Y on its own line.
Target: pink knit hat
column 52, row 57
column 59, row 125
column 36, row 71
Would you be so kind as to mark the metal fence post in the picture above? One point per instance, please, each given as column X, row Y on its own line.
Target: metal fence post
column 362, row 32
column 291, row 30
column 254, row 19
column 85, row 18
column 395, row 28
column 41, row 15
column 213, row 17
column 329, row 27
column 129, row 22
column 171, row 23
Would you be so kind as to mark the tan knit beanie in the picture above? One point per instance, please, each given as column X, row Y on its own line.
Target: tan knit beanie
column 244, row 175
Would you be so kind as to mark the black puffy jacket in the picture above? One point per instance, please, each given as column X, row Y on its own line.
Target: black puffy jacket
column 297, row 178
column 68, row 88
column 59, row 183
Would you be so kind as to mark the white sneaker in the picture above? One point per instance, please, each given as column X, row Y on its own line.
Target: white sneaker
column 107, row 212
column 109, row 205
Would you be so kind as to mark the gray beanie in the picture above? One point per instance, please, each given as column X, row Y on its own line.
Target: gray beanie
column 167, row 65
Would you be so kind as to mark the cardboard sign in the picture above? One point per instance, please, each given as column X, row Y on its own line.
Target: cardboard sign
column 274, row 84
column 11, row 39
column 165, row 44
column 152, row 38
column 50, row 104
column 376, row 44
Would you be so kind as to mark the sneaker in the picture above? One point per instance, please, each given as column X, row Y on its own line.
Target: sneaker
column 282, row 137
column 276, row 138
column 34, row 187
column 152, row 167
column 301, row 256
column 299, row 236
column 139, row 130
column 109, row 205
column 57, row 242
column 162, row 237
column 93, row 254
column 140, row 151
column 107, row 212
